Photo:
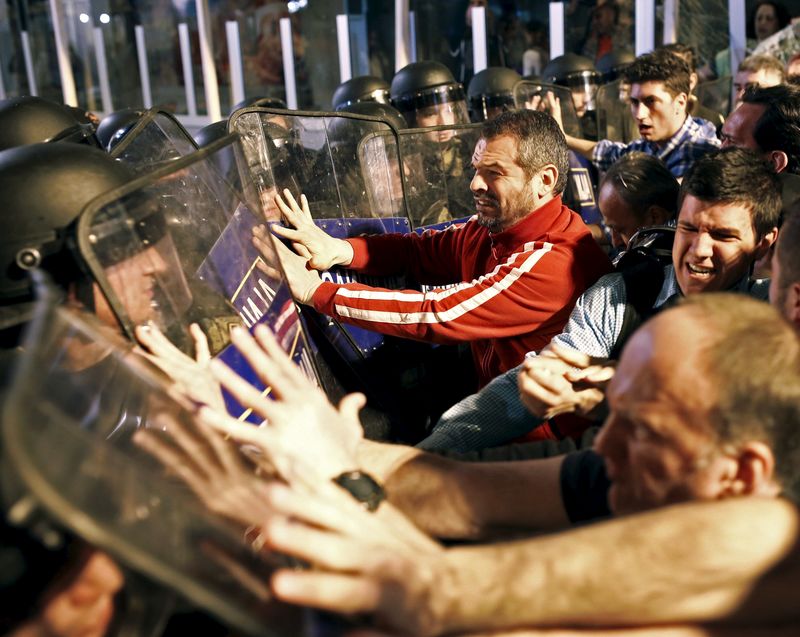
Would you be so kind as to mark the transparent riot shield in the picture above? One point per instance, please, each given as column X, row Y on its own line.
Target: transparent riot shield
column 349, row 168
column 437, row 171
column 614, row 119
column 174, row 247
column 156, row 137
column 715, row 94
column 93, row 442
column 317, row 154
column 534, row 96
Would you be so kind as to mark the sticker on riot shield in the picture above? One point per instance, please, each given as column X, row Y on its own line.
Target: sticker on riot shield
column 174, row 248
column 93, row 437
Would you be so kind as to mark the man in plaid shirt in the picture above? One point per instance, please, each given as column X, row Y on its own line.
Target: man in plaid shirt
column 658, row 99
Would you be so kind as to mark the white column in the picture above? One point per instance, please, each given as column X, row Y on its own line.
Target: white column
column 207, row 61
column 645, row 18
column 402, row 40
column 2, row 85
column 412, row 36
column 144, row 69
column 26, row 53
column 188, row 73
column 343, row 42
column 671, row 21
column 737, row 25
column 556, row 29
column 102, row 69
column 235, row 62
column 287, row 50
column 68, row 90
column 479, row 52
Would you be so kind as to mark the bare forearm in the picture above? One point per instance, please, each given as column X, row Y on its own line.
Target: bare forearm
column 466, row 500
column 689, row 564
column 581, row 146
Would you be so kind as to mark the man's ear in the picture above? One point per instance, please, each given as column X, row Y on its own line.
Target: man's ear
column 791, row 308
column 779, row 160
column 655, row 215
column 755, row 471
column 682, row 100
column 548, row 177
column 764, row 245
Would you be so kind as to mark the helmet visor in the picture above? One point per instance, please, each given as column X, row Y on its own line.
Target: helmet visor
column 439, row 106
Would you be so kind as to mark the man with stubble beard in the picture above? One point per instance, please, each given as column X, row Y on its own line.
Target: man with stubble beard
column 512, row 272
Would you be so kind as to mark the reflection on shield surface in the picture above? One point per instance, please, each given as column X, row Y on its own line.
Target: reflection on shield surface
column 71, row 439
column 174, row 247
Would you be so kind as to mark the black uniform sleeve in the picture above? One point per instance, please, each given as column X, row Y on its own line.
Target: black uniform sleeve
column 584, row 486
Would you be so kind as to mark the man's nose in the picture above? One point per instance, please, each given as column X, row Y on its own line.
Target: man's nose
column 640, row 111
column 703, row 246
column 477, row 185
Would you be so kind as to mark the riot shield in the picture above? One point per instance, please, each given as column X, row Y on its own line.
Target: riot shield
column 317, row 154
column 437, row 171
column 614, row 119
column 158, row 138
column 72, row 433
column 155, row 138
column 715, row 94
column 174, row 247
column 533, row 96
column 349, row 168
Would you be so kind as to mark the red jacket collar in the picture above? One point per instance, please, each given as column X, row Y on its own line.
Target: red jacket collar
column 550, row 217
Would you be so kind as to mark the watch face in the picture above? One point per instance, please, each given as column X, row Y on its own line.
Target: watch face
column 363, row 487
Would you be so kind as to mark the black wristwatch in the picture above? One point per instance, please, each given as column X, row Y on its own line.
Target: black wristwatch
column 363, row 487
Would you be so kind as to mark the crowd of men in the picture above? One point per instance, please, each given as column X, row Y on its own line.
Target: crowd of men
column 629, row 461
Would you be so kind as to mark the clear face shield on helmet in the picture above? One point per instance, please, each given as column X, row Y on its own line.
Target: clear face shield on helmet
column 583, row 87
column 483, row 108
column 94, row 443
column 154, row 245
column 443, row 105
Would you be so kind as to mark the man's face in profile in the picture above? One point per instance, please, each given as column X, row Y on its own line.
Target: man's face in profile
column 143, row 283
column 658, row 442
column 500, row 188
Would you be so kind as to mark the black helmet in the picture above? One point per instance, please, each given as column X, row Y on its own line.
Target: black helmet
column 32, row 120
column 491, row 92
column 211, row 133
column 116, row 125
column 579, row 74
column 387, row 113
column 421, row 89
column 45, row 187
column 364, row 88
column 610, row 65
column 265, row 102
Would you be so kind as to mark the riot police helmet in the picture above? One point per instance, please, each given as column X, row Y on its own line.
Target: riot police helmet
column 211, row 133
column 611, row 64
column 263, row 102
column 427, row 94
column 491, row 92
column 386, row 112
column 32, row 120
column 46, row 186
column 579, row 74
column 364, row 88
column 114, row 126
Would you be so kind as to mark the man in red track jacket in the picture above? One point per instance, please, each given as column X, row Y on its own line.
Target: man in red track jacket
column 515, row 269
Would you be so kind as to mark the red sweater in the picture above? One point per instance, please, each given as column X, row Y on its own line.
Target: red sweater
column 515, row 289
